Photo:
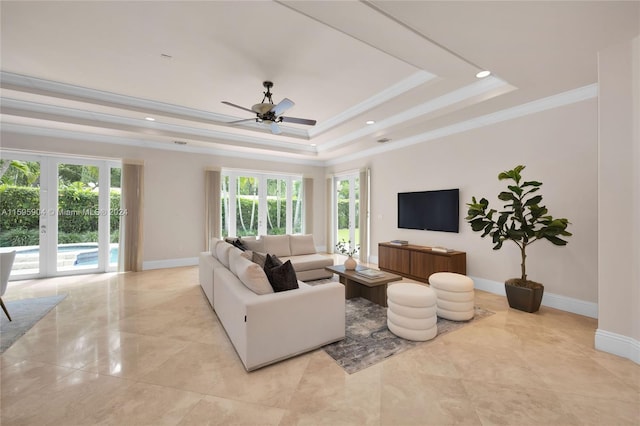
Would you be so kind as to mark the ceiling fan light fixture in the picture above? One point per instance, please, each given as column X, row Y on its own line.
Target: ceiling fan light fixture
column 483, row 74
column 270, row 113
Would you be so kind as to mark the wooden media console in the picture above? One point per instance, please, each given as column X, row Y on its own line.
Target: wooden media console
column 419, row 262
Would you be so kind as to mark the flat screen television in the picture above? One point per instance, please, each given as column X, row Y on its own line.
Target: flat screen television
column 429, row 210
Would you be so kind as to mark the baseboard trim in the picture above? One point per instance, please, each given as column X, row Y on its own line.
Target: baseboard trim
column 551, row 300
column 618, row 344
column 169, row 263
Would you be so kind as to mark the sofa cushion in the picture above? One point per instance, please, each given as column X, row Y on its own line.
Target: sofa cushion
column 253, row 244
column 301, row 244
column 283, row 277
column 250, row 274
column 276, row 244
column 212, row 246
column 222, row 252
column 307, row 262
column 259, row 258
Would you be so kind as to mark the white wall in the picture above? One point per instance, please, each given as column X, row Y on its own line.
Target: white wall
column 619, row 206
column 558, row 147
column 174, row 191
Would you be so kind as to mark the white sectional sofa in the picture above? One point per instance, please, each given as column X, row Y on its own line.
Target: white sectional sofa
column 299, row 249
column 266, row 327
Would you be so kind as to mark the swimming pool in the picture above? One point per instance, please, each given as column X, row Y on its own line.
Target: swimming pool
column 78, row 254
column 90, row 257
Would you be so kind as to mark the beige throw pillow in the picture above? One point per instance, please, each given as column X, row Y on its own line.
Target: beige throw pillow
column 251, row 275
column 222, row 251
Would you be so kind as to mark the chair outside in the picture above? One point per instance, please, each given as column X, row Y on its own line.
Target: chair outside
column 6, row 262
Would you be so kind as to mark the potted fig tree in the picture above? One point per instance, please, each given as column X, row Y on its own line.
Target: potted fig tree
column 523, row 220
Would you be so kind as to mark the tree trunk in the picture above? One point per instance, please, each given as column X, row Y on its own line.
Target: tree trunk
column 523, row 264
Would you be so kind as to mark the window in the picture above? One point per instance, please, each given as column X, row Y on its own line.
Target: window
column 261, row 204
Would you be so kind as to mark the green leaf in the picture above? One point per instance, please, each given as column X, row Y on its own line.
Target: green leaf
column 487, row 229
column 515, row 189
column 506, row 196
column 555, row 240
column 477, row 224
column 534, row 201
column 531, row 183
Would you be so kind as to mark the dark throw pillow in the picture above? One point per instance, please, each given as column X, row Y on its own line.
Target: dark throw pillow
column 238, row 243
column 271, row 261
column 282, row 277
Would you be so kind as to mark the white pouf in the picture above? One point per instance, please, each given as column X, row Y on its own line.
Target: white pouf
column 455, row 296
column 411, row 312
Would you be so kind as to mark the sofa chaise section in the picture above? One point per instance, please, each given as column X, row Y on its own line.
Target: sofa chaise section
column 268, row 328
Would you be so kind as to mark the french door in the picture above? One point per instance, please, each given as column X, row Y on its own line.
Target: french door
column 261, row 204
column 60, row 215
column 347, row 209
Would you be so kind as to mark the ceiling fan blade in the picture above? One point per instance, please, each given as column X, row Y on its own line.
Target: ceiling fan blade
column 282, row 106
column 238, row 106
column 241, row 121
column 298, row 120
column 275, row 129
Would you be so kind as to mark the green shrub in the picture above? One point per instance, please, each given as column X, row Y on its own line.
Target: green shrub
column 19, row 237
column 20, row 209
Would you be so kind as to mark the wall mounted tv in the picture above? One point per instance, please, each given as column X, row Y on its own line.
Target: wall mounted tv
column 429, row 210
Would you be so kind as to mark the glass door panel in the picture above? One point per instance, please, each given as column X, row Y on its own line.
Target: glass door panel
column 115, row 213
column 78, row 217
column 276, row 207
column 247, row 206
column 347, row 210
column 225, row 220
column 20, row 214
column 296, row 200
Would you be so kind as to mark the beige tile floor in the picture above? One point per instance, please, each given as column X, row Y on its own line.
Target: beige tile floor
column 146, row 349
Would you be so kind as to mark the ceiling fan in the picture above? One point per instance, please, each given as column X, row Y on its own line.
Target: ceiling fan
column 270, row 113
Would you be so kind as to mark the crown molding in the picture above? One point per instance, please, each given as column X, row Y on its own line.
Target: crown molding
column 417, row 79
column 142, row 143
column 463, row 94
column 561, row 99
column 55, row 89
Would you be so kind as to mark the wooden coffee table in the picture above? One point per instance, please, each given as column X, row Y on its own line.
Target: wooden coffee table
column 356, row 285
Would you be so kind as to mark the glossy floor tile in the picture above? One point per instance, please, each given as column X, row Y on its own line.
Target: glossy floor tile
column 147, row 349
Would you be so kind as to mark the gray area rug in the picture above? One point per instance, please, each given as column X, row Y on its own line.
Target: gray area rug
column 24, row 313
column 369, row 341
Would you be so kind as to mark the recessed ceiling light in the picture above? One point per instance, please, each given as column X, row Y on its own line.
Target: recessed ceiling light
column 150, row 119
column 370, row 122
column 483, row 74
column 313, row 144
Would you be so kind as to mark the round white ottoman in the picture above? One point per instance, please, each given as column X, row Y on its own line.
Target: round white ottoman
column 455, row 296
column 411, row 312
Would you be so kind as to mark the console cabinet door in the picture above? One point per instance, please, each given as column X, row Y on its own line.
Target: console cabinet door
column 393, row 259
column 421, row 264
